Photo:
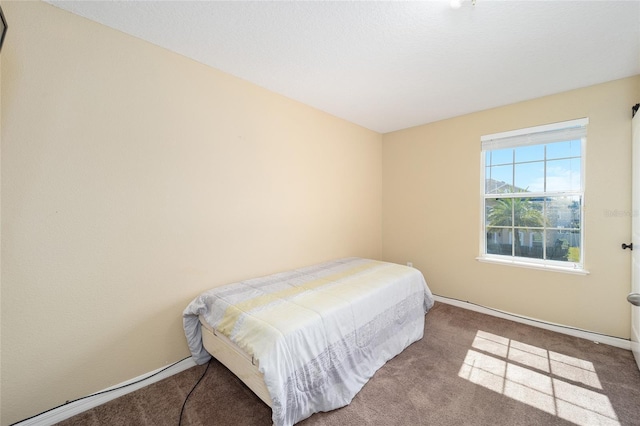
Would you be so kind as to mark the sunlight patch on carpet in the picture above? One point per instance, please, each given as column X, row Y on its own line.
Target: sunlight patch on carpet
column 558, row 384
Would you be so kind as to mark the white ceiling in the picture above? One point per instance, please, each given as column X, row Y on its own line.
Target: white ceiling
column 393, row 65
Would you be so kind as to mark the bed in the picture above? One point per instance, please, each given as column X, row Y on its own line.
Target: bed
column 307, row 340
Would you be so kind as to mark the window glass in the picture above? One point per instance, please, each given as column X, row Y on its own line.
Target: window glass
column 563, row 175
column 499, row 212
column 501, row 156
column 532, row 201
column 529, row 153
column 529, row 177
column 563, row 149
column 499, row 179
column 528, row 212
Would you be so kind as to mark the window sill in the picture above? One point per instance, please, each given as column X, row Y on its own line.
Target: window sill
column 531, row 265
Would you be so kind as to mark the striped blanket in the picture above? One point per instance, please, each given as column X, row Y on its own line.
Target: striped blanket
column 318, row 333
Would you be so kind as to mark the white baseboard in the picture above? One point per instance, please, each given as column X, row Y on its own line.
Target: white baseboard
column 594, row 337
column 65, row 411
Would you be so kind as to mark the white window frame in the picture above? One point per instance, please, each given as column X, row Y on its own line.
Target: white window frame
column 537, row 135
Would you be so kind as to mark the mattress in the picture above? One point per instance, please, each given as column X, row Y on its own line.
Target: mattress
column 315, row 335
column 235, row 359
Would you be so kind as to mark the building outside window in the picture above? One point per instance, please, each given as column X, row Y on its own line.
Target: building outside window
column 533, row 196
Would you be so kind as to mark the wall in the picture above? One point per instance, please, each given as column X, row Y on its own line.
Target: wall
column 431, row 210
column 132, row 180
column 0, row 239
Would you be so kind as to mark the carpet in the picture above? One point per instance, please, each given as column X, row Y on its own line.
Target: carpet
column 469, row 369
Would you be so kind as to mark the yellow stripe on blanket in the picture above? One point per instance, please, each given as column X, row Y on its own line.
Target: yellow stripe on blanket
column 234, row 312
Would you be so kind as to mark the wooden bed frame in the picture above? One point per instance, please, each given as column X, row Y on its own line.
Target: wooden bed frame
column 235, row 359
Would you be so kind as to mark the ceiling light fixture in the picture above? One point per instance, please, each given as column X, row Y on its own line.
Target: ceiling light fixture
column 456, row 4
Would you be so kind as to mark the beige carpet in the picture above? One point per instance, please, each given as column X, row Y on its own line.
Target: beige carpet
column 469, row 369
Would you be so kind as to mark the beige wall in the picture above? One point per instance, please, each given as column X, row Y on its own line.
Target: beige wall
column 0, row 240
column 431, row 210
column 132, row 180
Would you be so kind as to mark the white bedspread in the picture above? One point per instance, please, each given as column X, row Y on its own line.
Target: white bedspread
column 318, row 333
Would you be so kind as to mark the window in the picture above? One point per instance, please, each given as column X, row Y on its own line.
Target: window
column 532, row 196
